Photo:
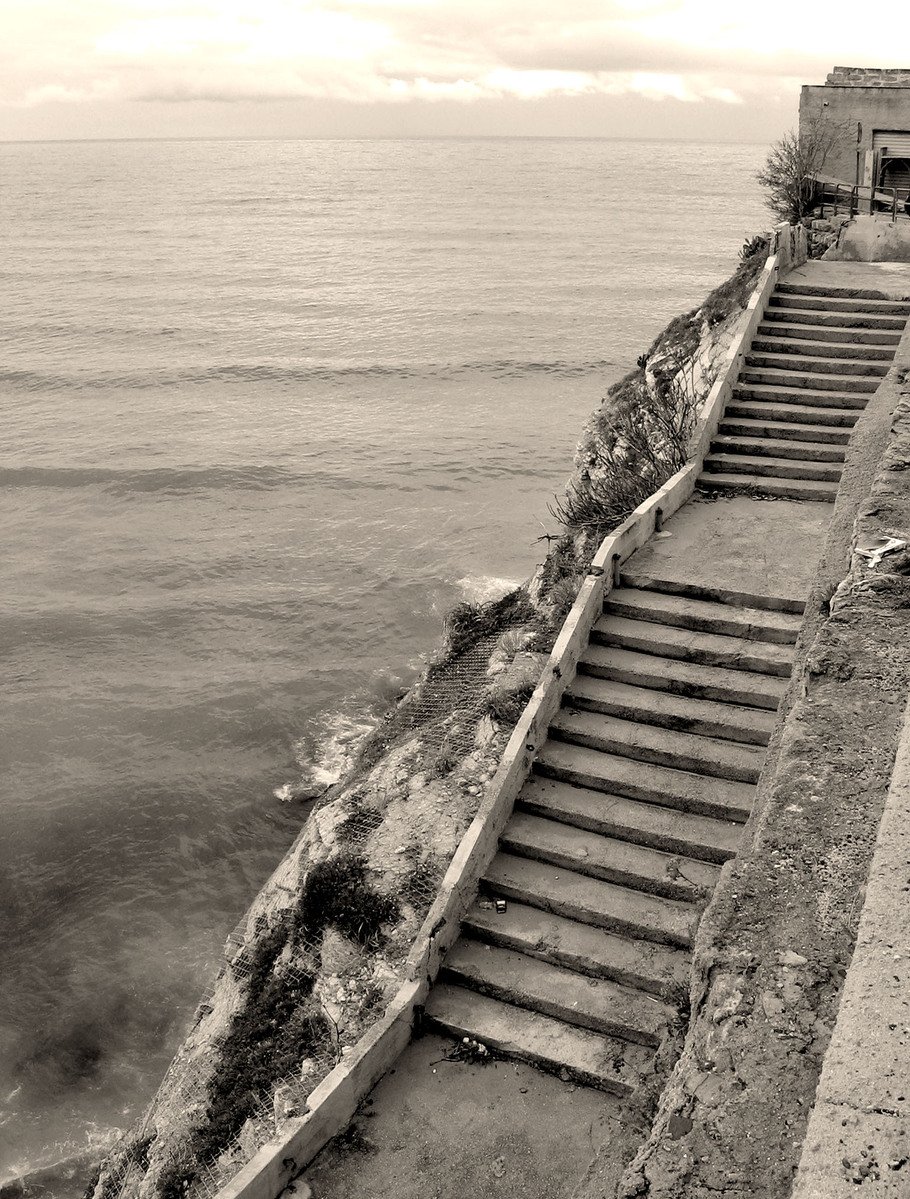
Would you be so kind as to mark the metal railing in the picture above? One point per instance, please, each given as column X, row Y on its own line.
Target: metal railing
column 840, row 197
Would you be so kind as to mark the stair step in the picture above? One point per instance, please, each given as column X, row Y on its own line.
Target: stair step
column 838, row 305
column 777, row 468
column 781, row 430
column 806, row 451
column 590, row 1058
column 666, row 829
column 717, row 595
column 817, row 290
column 746, row 688
column 709, row 649
column 802, row 347
column 865, row 337
column 782, row 489
column 792, row 413
column 576, row 999
column 841, row 368
column 799, row 395
column 662, row 785
column 818, row 318
column 625, row 863
column 707, row 616
column 662, row 747
column 591, row 900
column 728, row 722
column 658, row 969
column 816, row 381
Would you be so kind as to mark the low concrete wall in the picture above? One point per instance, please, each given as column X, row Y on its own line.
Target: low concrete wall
column 857, row 1133
column 334, row 1102
column 872, row 239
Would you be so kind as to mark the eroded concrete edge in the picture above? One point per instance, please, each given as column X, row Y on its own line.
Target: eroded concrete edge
column 859, row 1130
column 775, row 943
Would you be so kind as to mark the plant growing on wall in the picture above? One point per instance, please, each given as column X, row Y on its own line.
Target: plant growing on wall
column 788, row 175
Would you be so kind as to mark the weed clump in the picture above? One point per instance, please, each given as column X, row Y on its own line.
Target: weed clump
column 336, row 894
column 467, row 624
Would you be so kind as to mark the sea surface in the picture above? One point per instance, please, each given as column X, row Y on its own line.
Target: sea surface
column 269, row 408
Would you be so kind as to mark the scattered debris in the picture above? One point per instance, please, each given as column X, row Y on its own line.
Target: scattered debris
column 876, row 548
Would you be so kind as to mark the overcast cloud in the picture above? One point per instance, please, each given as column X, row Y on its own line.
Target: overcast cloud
column 66, row 64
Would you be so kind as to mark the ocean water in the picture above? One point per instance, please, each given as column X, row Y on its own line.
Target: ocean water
column 269, row 409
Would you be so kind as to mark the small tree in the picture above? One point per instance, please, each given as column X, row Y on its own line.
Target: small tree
column 789, row 171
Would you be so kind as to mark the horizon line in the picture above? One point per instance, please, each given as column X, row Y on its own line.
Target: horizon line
column 380, row 137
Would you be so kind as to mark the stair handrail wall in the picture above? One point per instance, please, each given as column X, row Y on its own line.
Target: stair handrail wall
column 332, row 1104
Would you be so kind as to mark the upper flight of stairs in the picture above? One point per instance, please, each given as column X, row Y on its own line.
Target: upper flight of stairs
column 637, row 798
column 817, row 356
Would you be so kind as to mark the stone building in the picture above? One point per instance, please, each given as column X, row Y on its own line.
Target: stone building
column 868, row 111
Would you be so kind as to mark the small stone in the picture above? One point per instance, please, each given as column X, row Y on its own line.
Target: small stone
column 498, row 1167
column 789, row 958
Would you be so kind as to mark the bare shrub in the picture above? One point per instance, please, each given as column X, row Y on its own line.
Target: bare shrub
column 789, row 172
column 638, row 441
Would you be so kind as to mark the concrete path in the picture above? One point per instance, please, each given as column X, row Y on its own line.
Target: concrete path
column 575, row 955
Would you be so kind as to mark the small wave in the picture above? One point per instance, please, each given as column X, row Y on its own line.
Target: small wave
column 481, row 589
column 190, row 478
column 240, row 372
column 326, row 752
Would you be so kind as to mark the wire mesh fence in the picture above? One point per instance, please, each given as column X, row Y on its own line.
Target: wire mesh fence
column 446, row 709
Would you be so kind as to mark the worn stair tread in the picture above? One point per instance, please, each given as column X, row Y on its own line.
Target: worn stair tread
column 709, row 649
column 843, row 319
column 589, row 1057
column 777, row 468
column 625, row 863
column 763, row 410
column 774, row 431
column 834, row 292
column 709, row 718
column 663, row 747
column 748, row 688
column 839, row 304
column 808, row 451
column 592, row 900
column 633, row 577
column 658, row 969
column 667, row 829
column 801, row 396
column 840, row 334
column 707, row 616
column 805, row 347
column 664, row 785
column 577, row 999
column 841, row 368
column 815, row 382
column 785, row 489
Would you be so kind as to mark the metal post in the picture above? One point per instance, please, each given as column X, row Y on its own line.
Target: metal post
column 893, row 204
column 854, row 200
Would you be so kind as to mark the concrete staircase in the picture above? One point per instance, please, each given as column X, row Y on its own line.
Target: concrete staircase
column 576, row 952
column 816, row 358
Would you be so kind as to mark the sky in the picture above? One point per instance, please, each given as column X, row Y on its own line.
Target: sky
column 695, row 69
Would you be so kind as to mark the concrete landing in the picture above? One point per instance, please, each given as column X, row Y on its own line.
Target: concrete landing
column 890, row 278
column 738, row 545
column 519, row 1134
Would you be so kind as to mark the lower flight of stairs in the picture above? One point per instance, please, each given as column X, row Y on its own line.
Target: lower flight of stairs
column 818, row 355
column 637, row 797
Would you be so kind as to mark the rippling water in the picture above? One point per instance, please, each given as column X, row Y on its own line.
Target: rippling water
column 268, row 409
